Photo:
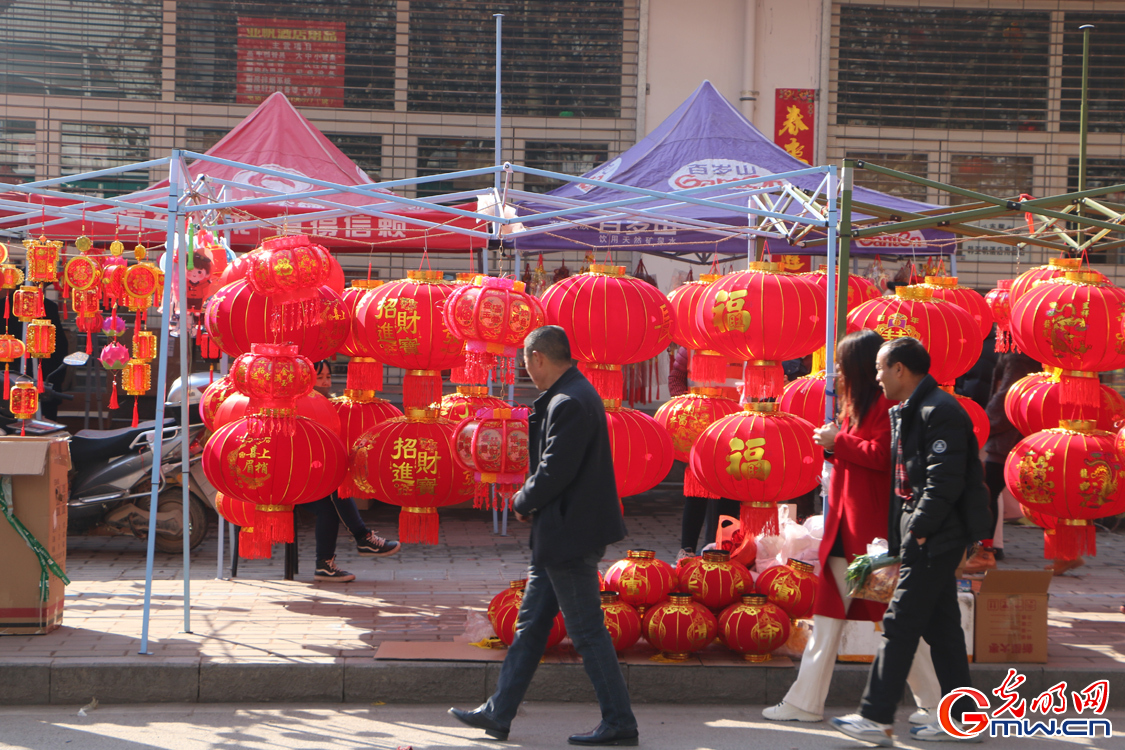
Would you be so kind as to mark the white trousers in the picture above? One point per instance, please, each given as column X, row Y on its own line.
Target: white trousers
column 810, row 690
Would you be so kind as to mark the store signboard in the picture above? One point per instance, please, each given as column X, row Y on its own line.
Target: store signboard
column 302, row 59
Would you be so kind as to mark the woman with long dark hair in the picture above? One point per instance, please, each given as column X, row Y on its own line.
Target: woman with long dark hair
column 859, row 449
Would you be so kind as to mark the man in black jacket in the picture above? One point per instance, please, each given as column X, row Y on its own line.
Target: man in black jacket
column 939, row 504
column 570, row 498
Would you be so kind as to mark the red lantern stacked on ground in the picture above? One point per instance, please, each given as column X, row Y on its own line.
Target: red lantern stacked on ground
column 791, row 586
column 999, row 301
column 716, row 581
column 493, row 445
column 358, row 413
column 493, row 317
column 754, row 627
column 641, row 580
column 365, row 371
column 503, row 614
column 685, row 418
column 679, row 625
column 621, row 620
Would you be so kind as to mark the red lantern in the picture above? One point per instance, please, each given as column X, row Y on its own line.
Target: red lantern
column 1072, row 472
column 143, row 284
column 144, row 345
column 358, row 412
column 136, row 379
column 679, row 626
column 253, row 543
column 288, row 269
column 707, row 365
column 212, row 398
column 1034, row 403
column 40, row 344
column 11, row 349
column 717, row 581
column 113, row 279
column 208, row 349
column 754, row 627
column 1000, row 303
column 860, row 288
column 404, row 323
column 493, row 316
column 311, row 405
column 641, row 448
column 273, row 376
column 467, row 401
column 236, row 317
column 1055, row 268
column 611, row 320
column 365, row 373
column 791, row 586
column 981, row 427
column 949, row 333
column 503, row 613
column 760, row 456
column 24, row 401
column 83, row 274
column 685, row 418
column 10, row 276
column 408, row 461
column 804, row 397
column 640, row 579
column 946, row 288
column 763, row 316
column 493, row 445
column 621, row 620
column 27, row 303
column 1073, row 323
column 42, row 260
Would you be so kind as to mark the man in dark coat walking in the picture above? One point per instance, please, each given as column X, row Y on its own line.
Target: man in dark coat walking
column 570, row 498
column 939, row 504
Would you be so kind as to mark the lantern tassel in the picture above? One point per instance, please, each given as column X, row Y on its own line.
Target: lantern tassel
column 480, row 496
column 759, row 518
column 1003, row 340
column 23, row 428
column 89, row 343
column 764, row 379
column 1073, row 539
column 418, row 526
column 211, row 377
column 608, row 380
column 113, row 394
column 365, row 374
column 136, row 420
column 7, row 389
column 694, row 488
column 39, row 378
column 253, row 544
column 420, row 388
column 477, row 366
column 7, row 307
column 1049, row 551
column 1081, row 389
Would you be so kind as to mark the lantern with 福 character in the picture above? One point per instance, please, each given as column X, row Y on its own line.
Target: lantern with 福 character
column 365, row 372
column 969, row 300
column 999, row 301
column 641, row 580
column 42, row 260
column 493, row 316
column 83, row 274
column 136, row 379
column 685, row 417
column 791, row 586
column 23, row 401
column 621, row 620
column 678, row 626
column 716, row 581
column 143, row 283
column 754, row 627
column 493, row 445
column 641, row 449
column 503, row 614
column 359, row 412
column 253, row 543
column 706, row 365
column 11, row 349
column 27, row 303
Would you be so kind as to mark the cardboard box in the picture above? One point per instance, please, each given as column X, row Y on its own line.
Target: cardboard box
column 38, row 469
column 1011, row 622
column 861, row 638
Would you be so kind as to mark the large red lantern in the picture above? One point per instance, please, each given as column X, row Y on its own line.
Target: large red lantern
column 611, row 320
column 1073, row 472
column 641, row 580
column 466, row 401
column 685, row 418
column 365, row 372
column 707, row 365
column 754, row 627
column 621, row 620
column 999, row 301
column 212, row 398
column 804, row 397
column 493, row 445
column 493, row 316
column 289, row 270
column 763, row 316
column 312, row 405
column 981, row 426
column 791, row 586
column 1034, row 403
column 11, row 349
column 860, row 288
column 760, row 456
column 717, row 581
column 969, row 300
column 641, row 449
column 949, row 333
column 358, row 412
column 1027, row 280
column 679, row 626
column 1073, row 323
column 253, row 543
column 503, row 614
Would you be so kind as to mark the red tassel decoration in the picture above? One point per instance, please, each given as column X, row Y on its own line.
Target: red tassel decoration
column 1049, row 551
column 764, row 379
column 1081, row 389
column 39, row 377
column 418, row 526
column 365, row 374
column 7, row 390
column 7, row 307
column 64, row 315
column 480, row 496
column 759, row 518
column 113, row 393
column 420, row 388
column 253, row 544
column 89, row 343
column 136, row 420
column 275, row 522
column 693, row 487
column 23, row 428
column 1074, row 538
column 608, row 380
column 211, row 376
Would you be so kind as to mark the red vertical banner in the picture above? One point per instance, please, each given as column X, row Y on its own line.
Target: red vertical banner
column 302, row 59
column 794, row 122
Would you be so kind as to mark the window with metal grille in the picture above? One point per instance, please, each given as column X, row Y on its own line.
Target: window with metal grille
column 438, row 155
column 338, row 54
column 200, row 140
column 17, row 151
column 915, row 164
column 109, row 49
column 88, row 147
column 998, row 176
column 1100, row 173
column 943, row 68
column 1106, row 82
column 568, row 158
column 560, row 59
column 365, row 150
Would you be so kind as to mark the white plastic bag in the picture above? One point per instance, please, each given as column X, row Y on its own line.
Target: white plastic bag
column 477, row 628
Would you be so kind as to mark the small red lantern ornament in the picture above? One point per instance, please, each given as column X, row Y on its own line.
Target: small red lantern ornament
column 1055, row 268
column 365, row 372
column 24, row 402
column 40, row 343
column 113, row 279
column 679, row 626
column 136, row 379
column 253, row 544
column 42, row 260
column 791, row 586
column 493, row 316
column 27, row 303
column 641, row 449
column 640, row 579
column 621, row 620
column 685, row 418
column 999, row 301
column 503, row 613
column 493, row 445
column 144, row 345
column 754, row 627
column 83, row 273
column 213, row 397
column 359, row 412
column 467, row 401
column 87, row 308
column 11, row 349
column 707, row 365
column 716, row 581
column 10, row 276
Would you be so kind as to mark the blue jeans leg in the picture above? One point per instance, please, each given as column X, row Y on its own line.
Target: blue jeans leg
column 330, row 511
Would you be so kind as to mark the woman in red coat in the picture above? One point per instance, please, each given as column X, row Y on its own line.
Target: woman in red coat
column 856, row 513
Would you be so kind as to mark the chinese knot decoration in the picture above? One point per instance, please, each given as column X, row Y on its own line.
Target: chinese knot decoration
column 685, row 418
column 754, row 627
column 493, row 316
column 493, row 445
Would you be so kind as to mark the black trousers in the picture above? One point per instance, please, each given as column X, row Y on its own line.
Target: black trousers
column 994, row 478
column 924, row 606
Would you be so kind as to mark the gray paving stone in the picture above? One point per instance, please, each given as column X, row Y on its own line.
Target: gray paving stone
column 456, row 683
column 124, row 680
column 243, row 682
column 24, row 683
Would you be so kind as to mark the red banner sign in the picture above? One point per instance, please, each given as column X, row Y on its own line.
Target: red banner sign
column 794, row 263
column 302, row 59
column 795, row 121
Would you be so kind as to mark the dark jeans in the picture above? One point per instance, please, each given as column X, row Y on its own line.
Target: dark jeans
column 702, row 514
column 994, row 478
column 330, row 511
column 924, row 606
column 571, row 586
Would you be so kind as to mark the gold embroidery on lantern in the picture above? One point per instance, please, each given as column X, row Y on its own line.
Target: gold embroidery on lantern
column 1033, row 471
column 1099, row 481
column 1065, row 328
column 745, row 461
column 728, row 314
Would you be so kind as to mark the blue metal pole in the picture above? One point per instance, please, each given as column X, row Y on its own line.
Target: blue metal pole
column 185, row 417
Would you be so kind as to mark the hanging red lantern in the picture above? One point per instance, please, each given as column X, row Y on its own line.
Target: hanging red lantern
column 641, row 580
column 860, row 288
column 144, row 345
column 1054, row 269
column 136, row 379
column 365, row 372
column 679, row 626
column 403, row 321
column 212, row 398
column 981, row 427
column 87, row 306
column 763, row 316
column 685, row 417
column 23, row 401
column 467, row 401
column 716, row 581
column 707, row 365
column 754, row 627
column 999, row 301
column 969, row 300
column 493, row 445
column 144, row 286
column 621, row 620
column 611, row 320
column 503, row 613
column 253, row 543
column 40, row 343
column 288, row 269
column 359, row 412
column 312, row 405
column 949, row 333
column 11, row 349
column 10, row 276
column 1073, row 472
column 208, row 349
column 408, row 461
column 42, row 260
column 83, row 274
column 804, row 397
column 760, row 456
column 641, row 449
column 27, row 303
column 791, row 586
column 1034, row 403
column 493, row 316
column 273, row 376
column 113, row 279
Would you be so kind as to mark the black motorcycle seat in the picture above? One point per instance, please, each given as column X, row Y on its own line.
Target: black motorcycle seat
column 98, row 445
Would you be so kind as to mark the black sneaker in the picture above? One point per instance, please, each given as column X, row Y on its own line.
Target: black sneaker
column 374, row 545
column 326, row 570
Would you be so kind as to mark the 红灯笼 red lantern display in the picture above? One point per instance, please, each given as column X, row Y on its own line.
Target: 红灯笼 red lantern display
column 641, row 450
column 1027, row 280
column 253, row 543
column 272, row 376
column 27, row 303
column 503, row 614
column 999, row 301
column 493, row 445
column 288, row 269
column 621, row 620
column 860, row 288
column 42, row 260
column 11, row 349
column 679, row 626
column 791, row 586
column 493, row 316
column 466, row 401
column 611, row 320
column 10, row 276
column 707, row 365
column 83, row 274
column 40, row 343
column 685, row 417
column 1034, row 403
column 754, row 627
column 136, row 379
column 312, row 405
column 23, row 401
column 804, row 397
column 716, row 581
column 981, row 426
column 144, row 345
column 212, row 398
column 641, row 580
column 365, row 372
column 359, row 412
column 87, row 308
column 969, row 300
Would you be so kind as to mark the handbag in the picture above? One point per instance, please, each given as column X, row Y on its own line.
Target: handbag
column 873, row 577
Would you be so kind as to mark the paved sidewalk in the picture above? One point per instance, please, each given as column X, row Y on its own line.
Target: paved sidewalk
column 264, row 638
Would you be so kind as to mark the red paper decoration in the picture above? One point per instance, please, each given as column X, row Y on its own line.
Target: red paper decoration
column 621, row 620
column 640, row 579
column 754, row 627
column 791, row 586
column 685, row 418
column 493, row 445
column 716, row 581
column 493, row 316
column 999, row 301
column 707, row 365
column 679, row 626
column 641, row 448
column 358, row 412
column 365, row 372
column 503, row 613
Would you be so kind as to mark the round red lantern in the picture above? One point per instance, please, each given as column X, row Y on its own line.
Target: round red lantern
column 493, row 316
column 312, row 405
column 679, row 626
column 23, row 401
column 358, row 412
column 611, row 320
column 253, row 544
column 208, row 349
column 42, row 260
column 288, row 269
column 754, row 627
column 999, row 301
column 804, row 397
column 212, row 398
column 365, row 372
column 764, row 316
column 860, row 288
column 791, row 586
column 1054, row 269
column 716, row 581
column 273, row 375
column 685, row 417
column 1072, row 472
column 641, row 448
column 10, row 276
column 949, row 333
column 493, row 445
column 707, row 365
column 1034, row 403
column 969, row 300
column 467, row 401
column 683, row 569
column 503, row 614
column 760, row 456
column 113, row 279
column 640, row 579
column 143, row 284
column 11, row 349
column 621, row 620
column 981, row 427
column 83, row 273
column 27, row 303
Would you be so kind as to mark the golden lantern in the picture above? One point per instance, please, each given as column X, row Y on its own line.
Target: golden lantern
column 42, row 260
column 10, row 276
column 144, row 346
column 27, row 303
column 40, row 338
column 24, row 401
column 136, row 379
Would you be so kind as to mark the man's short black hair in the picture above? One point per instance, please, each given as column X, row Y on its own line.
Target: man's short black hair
column 551, row 342
column 910, row 352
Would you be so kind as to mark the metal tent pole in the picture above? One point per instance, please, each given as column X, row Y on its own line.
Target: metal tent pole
column 185, row 415
column 499, row 137
column 845, row 248
column 1083, row 123
column 830, row 304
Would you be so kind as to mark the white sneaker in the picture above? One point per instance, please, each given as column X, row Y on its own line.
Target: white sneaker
column 859, row 728
column 920, row 717
column 787, row 712
column 934, row 733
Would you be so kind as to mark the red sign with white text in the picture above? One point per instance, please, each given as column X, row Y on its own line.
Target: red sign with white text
column 302, row 59
column 795, row 121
